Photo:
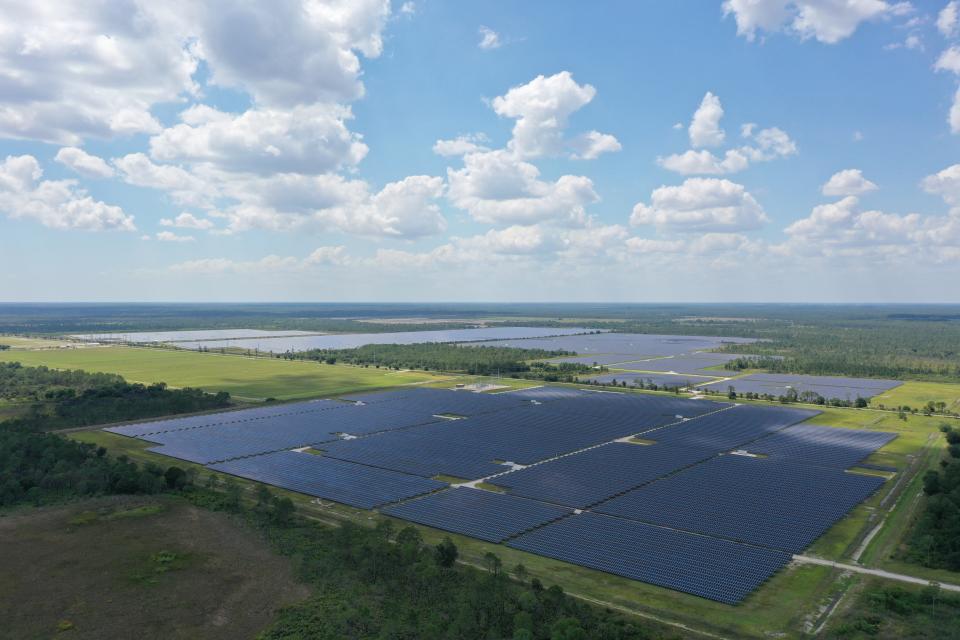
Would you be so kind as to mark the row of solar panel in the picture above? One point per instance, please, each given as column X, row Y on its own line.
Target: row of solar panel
column 824, row 446
column 486, row 515
column 762, row 501
column 234, row 440
column 193, row 422
column 469, row 448
column 353, row 484
column 711, row 568
column 827, row 387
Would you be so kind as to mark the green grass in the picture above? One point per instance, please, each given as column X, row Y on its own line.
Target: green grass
column 23, row 342
column 243, row 377
column 916, row 395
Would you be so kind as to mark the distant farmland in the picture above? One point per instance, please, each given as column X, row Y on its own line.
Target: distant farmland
column 243, row 377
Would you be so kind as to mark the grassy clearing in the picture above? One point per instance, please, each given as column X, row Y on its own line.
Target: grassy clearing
column 136, row 567
column 917, row 395
column 244, row 378
column 23, row 342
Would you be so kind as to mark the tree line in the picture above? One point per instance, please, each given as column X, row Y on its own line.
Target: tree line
column 473, row 360
column 387, row 582
column 62, row 399
column 935, row 538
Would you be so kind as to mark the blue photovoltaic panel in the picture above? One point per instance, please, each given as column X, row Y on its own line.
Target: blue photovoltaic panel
column 223, row 417
column 775, row 384
column 663, row 380
column 486, row 515
column 582, row 479
column 762, row 501
column 730, row 428
column 632, row 345
column 825, row 446
column 468, row 448
column 181, row 336
column 548, row 394
column 605, row 359
column 353, row 340
column 337, row 480
column 711, row 568
column 234, row 440
column 442, row 401
column 684, row 363
column 427, row 450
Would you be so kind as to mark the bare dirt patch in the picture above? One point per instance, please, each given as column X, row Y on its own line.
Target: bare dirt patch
column 137, row 568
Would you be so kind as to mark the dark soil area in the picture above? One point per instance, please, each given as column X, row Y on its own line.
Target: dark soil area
column 137, row 568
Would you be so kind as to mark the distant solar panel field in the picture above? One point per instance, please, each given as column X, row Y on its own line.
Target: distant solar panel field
column 829, row 387
column 353, row 340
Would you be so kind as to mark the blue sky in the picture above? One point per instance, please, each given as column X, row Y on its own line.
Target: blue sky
column 758, row 150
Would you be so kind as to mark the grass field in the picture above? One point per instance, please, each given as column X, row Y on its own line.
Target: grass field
column 243, row 377
column 22, row 342
column 918, row 394
column 123, row 567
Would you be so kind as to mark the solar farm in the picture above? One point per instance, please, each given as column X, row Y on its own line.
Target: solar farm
column 707, row 498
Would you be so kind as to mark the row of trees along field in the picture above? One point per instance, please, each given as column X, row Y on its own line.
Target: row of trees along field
column 385, row 582
column 38, row 467
column 935, row 540
column 474, row 360
column 61, row 399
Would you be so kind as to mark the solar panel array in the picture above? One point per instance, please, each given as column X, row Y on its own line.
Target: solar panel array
column 683, row 363
column 729, row 428
column 591, row 476
column 678, row 513
column 344, row 482
column 238, row 439
column 193, row 422
column 827, row 386
column 443, row 401
column 469, row 448
column 762, row 501
column 486, row 515
column 707, row 567
column 632, row 345
column 824, row 446
column 353, row 340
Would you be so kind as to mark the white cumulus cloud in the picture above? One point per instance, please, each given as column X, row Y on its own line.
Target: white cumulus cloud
column 497, row 188
column 849, row 182
column 58, row 204
column 704, row 129
column 187, row 220
column 701, row 204
column 83, row 163
column 947, row 19
column 541, row 109
column 828, row 21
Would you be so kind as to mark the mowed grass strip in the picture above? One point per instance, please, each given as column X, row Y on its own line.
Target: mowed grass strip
column 24, row 342
column 244, row 377
column 918, row 394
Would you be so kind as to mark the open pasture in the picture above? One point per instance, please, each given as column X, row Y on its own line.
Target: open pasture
column 242, row 377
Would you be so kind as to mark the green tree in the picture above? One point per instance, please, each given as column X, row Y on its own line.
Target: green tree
column 445, row 553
